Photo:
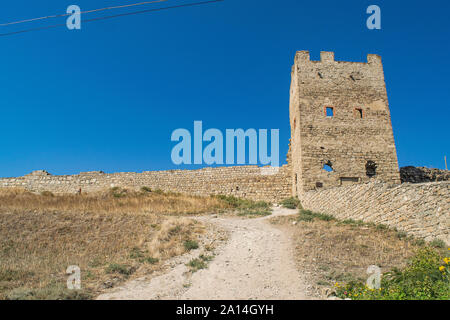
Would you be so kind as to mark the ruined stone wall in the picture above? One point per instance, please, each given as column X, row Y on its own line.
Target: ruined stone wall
column 422, row 174
column 250, row 182
column 359, row 131
column 422, row 210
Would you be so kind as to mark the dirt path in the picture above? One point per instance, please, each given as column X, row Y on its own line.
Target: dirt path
column 255, row 263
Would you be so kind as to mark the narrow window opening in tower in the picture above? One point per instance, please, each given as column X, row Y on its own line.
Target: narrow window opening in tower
column 358, row 113
column 329, row 112
column 328, row 167
column 371, row 168
column 295, row 123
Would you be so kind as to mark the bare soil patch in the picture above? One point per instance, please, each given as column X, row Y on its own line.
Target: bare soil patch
column 256, row 262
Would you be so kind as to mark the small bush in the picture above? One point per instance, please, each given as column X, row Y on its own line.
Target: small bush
column 291, row 203
column 136, row 253
column 247, row 207
column 305, row 215
column 190, row 245
column 47, row 194
column 150, row 260
column 308, row 215
column 197, row 264
column 382, row 227
column 146, row 190
column 206, row 258
column 438, row 243
column 324, row 217
column 402, row 235
column 353, row 222
column 118, row 192
column 200, row 263
column 419, row 242
column 119, row 268
column 158, row 191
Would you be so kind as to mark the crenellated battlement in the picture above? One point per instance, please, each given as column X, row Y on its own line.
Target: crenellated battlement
column 328, row 57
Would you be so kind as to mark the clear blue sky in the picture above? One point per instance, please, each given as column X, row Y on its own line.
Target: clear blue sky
column 109, row 96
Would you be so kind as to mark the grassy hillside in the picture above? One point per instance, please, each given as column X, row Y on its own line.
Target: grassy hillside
column 111, row 236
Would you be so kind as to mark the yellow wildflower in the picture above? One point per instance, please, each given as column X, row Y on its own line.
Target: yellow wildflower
column 446, row 260
column 441, row 268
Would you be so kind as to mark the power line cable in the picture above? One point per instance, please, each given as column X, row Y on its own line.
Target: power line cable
column 88, row 11
column 113, row 16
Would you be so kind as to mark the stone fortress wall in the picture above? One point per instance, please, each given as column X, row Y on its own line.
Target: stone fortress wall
column 252, row 182
column 421, row 210
column 423, row 174
column 340, row 118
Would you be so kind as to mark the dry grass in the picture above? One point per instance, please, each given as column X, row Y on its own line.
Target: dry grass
column 334, row 251
column 111, row 201
column 110, row 238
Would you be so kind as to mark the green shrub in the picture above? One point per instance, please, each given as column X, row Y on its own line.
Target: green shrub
column 190, row 245
column 146, row 190
column 308, row 215
column 382, row 227
column 197, row 264
column 118, row 192
column 305, row 215
column 47, row 194
column 206, row 258
column 427, row 277
column 402, row 235
column 141, row 256
column 150, row 260
column 438, row 243
column 353, row 222
column 136, row 253
column 200, row 263
column 324, row 217
column 247, row 207
column 291, row 203
column 119, row 268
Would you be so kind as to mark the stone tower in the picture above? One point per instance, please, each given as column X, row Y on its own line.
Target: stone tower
column 341, row 130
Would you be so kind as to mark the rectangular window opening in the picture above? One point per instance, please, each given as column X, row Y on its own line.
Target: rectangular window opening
column 349, row 180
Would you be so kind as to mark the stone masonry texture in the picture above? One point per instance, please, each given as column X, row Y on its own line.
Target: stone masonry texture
column 356, row 131
column 250, row 182
column 421, row 210
column 422, row 174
